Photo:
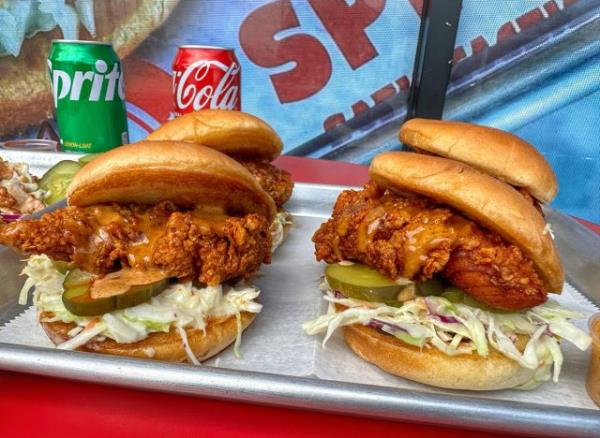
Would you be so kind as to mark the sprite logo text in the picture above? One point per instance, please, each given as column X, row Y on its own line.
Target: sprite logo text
column 66, row 87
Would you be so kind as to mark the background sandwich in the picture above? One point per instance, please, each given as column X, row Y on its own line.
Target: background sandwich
column 249, row 140
column 150, row 257
column 440, row 274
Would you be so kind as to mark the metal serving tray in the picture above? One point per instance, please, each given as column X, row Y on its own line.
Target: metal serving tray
column 289, row 289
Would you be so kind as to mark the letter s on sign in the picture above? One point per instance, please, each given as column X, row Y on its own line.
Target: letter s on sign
column 257, row 38
column 347, row 24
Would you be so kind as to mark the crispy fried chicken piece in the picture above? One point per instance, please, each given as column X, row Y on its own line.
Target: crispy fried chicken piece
column 184, row 244
column 56, row 234
column 496, row 273
column 414, row 237
column 5, row 170
column 6, row 199
column 275, row 181
column 232, row 251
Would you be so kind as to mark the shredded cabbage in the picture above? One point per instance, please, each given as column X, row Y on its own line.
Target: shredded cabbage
column 282, row 218
column 435, row 322
column 24, row 189
column 179, row 306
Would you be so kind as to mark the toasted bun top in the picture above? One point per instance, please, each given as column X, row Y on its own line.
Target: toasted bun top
column 234, row 133
column 498, row 153
column 486, row 200
column 149, row 172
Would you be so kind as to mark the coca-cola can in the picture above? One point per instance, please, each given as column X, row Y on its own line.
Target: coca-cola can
column 206, row 77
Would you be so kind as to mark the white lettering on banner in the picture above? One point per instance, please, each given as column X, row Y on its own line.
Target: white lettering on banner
column 62, row 86
column 223, row 96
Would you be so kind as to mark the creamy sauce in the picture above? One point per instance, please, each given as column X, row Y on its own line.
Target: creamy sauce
column 422, row 236
column 148, row 229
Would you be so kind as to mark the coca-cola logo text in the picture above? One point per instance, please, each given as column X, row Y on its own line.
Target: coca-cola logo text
column 191, row 86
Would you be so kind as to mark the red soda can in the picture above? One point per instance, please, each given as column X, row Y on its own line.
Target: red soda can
column 206, row 77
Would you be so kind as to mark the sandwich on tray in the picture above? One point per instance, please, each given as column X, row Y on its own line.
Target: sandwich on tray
column 249, row 140
column 439, row 272
column 151, row 256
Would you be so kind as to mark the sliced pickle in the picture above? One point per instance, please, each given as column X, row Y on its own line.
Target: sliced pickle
column 86, row 296
column 458, row 296
column 363, row 283
column 77, row 277
column 62, row 267
column 454, row 295
column 433, row 286
column 472, row 302
column 56, row 180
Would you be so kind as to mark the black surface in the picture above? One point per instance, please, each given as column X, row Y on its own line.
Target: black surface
column 433, row 58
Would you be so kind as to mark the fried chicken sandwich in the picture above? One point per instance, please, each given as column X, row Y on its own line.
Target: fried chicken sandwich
column 151, row 256
column 440, row 273
column 248, row 139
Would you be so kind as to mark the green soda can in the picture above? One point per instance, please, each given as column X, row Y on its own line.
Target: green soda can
column 89, row 95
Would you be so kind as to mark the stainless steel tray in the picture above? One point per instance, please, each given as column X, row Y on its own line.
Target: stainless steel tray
column 292, row 272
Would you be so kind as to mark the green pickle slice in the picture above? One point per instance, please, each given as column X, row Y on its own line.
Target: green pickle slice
column 57, row 180
column 458, row 296
column 85, row 295
column 433, row 286
column 363, row 283
column 454, row 295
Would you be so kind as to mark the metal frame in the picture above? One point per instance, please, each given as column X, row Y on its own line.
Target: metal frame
column 305, row 393
column 433, row 58
column 473, row 411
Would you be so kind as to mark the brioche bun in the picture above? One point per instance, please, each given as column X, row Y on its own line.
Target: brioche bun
column 432, row 367
column 25, row 89
column 149, row 172
column 498, row 153
column 488, row 201
column 219, row 334
column 234, row 133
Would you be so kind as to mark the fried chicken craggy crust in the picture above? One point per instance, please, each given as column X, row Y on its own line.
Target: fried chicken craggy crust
column 209, row 247
column 6, row 199
column 273, row 180
column 414, row 237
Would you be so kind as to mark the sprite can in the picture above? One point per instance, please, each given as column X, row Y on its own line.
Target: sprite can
column 89, row 95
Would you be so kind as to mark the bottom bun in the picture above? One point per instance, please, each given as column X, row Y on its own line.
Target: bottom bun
column 432, row 367
column 220, row 333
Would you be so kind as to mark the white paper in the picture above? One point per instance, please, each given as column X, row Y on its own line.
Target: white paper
column 275, row 342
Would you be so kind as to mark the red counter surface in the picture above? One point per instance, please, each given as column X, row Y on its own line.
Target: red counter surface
column 46, row 407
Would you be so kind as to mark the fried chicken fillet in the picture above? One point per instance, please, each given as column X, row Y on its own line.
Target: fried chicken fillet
column 273, row 180
column 186, row 244
column 415, row 238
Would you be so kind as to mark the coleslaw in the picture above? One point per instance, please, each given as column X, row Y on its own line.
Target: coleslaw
column 179, row 306
column 435, row 322
column 23, row 188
